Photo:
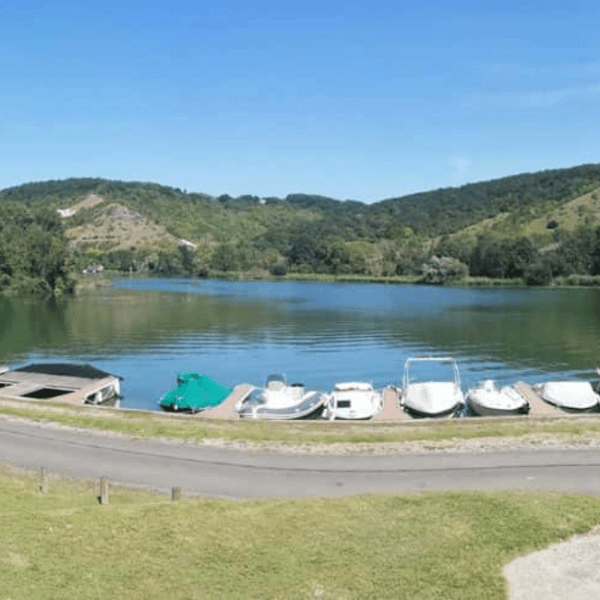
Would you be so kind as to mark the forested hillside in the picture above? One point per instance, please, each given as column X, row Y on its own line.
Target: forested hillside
column 534, row 226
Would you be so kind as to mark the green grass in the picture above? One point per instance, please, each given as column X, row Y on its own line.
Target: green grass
column 578, row 281
column 318, row 277
column 349, row 278
column 63, row 544
column 489, row 282
column 149, row 424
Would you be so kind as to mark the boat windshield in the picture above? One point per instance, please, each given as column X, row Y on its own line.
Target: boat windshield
column 422, row 370
column 276, row 382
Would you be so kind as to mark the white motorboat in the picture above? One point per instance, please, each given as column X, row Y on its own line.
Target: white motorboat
column 431, row 387
column 489, row 401
column 576, row 396
column 280, row 401
column 353, row 400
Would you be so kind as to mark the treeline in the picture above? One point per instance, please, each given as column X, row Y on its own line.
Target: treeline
column 491, row 257
column 577, row 253
column 315, row 234
column 34, row 254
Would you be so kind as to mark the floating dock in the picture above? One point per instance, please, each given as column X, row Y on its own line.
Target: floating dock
column 61, row 382
column 537, row 406
column 392, row 411
column 226, row 410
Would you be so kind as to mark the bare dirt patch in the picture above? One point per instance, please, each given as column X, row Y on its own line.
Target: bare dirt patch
column 119, row 228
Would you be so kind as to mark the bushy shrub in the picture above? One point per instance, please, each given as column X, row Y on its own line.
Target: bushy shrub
column 583, row 280
column 444, row 270
column 538, row 273
column 279, row 270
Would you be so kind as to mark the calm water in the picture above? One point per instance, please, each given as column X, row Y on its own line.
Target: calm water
column 146, row 330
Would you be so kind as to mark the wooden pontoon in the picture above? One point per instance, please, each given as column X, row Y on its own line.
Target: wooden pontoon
column 60, row 382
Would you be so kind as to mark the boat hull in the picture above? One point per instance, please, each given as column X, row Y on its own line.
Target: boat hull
column 432, row 399
column 417, row 413
column 487, row 401
column 309, row 406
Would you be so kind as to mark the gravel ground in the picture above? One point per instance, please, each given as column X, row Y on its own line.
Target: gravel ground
column 491, row 444
column 542, row 441
column 566, row 571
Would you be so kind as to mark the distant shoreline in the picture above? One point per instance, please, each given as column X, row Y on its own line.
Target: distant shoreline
column 86, row 283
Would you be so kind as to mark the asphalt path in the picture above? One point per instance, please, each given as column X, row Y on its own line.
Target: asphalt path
column 220, row 472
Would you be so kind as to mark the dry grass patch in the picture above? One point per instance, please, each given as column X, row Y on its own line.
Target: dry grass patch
column 121, row 228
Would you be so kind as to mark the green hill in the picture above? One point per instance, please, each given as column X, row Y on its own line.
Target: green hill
column 137, row 225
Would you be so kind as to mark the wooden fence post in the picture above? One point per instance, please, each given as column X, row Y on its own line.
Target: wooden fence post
column 103, row 490
column 43, row 480
column 175, row 494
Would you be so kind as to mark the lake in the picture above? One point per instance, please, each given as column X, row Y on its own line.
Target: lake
column 146, row 330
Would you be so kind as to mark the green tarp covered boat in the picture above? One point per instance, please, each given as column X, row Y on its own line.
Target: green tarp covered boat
column 194, row 393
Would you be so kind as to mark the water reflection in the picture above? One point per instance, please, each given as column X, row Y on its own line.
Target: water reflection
column 148, row 329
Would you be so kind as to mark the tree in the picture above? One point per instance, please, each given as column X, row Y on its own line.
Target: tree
column 594, row 257
column 538, row 273
column 578, row 251
column 487, row 259
column 519, row 255
column 34, row 255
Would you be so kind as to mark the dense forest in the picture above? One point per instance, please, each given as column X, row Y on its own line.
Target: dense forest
column 423, row 235
column 34, row 255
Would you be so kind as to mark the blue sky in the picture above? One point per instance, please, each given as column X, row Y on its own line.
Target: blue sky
column 364, row 100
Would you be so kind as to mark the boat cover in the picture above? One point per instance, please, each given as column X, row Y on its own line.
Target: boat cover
column 195, row 392
column 488, row 400
column 432, row 397
column 576, row 395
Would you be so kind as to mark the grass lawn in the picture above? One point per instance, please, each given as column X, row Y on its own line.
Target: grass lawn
column 569, row 429
column 63, row 544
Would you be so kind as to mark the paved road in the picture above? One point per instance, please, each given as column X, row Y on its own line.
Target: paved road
column 236, row 474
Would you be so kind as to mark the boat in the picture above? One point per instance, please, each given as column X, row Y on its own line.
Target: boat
column 431, row 387
column 280, row 401
column 71, row 383
column 353, row 400
column 194, row 393
column 571, row 396
column 489, row 401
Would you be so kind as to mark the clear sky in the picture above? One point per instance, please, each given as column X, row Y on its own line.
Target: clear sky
column 365, row 99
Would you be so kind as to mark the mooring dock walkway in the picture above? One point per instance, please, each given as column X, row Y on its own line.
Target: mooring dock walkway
column 391, row 411
column 537, row 406
column 226, row 410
